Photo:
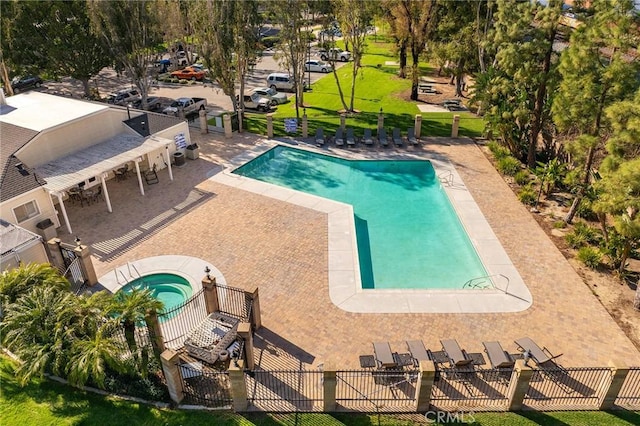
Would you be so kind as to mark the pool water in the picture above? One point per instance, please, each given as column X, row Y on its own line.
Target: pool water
column 171, row 289
column 408, row 234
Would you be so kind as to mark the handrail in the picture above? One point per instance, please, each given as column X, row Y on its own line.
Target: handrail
column 135, row 269
column 486, row 283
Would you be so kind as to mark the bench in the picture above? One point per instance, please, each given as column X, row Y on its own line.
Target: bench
column 427, row 88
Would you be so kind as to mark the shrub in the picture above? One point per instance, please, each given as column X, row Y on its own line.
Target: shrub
column 590, row 257
column 270, row 41
column 591, row 235
column 183, row 81
column 175, row 80
column 521, row 178
column 575, row 240
column 509, row 165
column 498, row 150
column 527, row 195
column 559, row 224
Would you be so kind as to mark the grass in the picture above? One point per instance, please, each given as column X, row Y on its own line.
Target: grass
column 377, row 87
column 43, row 402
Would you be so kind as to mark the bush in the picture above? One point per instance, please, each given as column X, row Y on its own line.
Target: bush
column 528, row 196
column 174, row 80
column 270, row 41
column 522, row 177
column 590, row 257
column 509, row 165
column 559, row 224
column 183, row 81
column 498, row 150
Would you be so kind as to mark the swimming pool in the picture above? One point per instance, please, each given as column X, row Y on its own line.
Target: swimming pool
column 408, row 234
column 171, row 289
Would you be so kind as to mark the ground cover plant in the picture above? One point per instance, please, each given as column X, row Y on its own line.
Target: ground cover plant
column 378, row 87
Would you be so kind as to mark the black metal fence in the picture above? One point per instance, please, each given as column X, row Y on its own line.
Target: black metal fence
column 285, row 390
column 176, row 323
column 234, row 302
column 629, row 395
column 377, row 390
column 205, row 386
column 480, row 389
column 581, row 388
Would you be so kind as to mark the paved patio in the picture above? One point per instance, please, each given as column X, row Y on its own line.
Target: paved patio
column 283, row 249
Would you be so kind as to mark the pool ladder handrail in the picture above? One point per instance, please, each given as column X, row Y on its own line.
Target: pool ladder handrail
column 486, row 283
column 131, row 277
column 446, row 177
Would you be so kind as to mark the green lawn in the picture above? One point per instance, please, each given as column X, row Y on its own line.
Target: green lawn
column 44, row 402
column 377, row 86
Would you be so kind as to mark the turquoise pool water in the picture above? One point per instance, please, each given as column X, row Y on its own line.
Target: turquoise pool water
column 408, row 234
column 171, row 289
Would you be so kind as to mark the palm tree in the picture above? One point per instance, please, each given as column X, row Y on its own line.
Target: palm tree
column 18, row 281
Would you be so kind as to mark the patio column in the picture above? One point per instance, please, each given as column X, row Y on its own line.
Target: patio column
column 619, row 372
column 329, row 384
column 522, row 375
column 139, row 176
column 238, row 386
column 64, row 212
column 426, row 378
column 418, row 125
column 105, row 192
column 170, row 360
column 168, row 162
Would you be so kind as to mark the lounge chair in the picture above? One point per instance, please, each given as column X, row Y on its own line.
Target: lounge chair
column 382, row 137
column 418, row 351
column 498, row 357
column 320, row 136
column 541, row 356
column 367, row 138
column 383, row 354
column 411, row 136
column 456, row 355
column 339, row 138
column 351, row 140
column 397, row 138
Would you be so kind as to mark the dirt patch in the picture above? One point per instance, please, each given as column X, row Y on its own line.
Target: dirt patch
column 614, row 294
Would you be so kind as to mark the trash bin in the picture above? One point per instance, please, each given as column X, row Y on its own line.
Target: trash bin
column 193, row 151
column 47, row 229
column 178, row 159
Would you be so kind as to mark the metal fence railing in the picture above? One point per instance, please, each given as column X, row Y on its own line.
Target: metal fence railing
column 567, row 388
column 205, row 386
column 479, row 389
column 176, row 323
column 377, row 390
column 285, row 390
column 629, row 395
column 234, row 302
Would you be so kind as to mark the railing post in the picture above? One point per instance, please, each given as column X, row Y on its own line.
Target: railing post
column 380, row 120
column 157, row 340
column 619, row 372
column 244, row 331
column 54, row 253
column 518, row 390
column 305, row 125
column 343, row 121
column 238, row 386
column 256, row 317
column 329, row 384
column 169, row 360
column 418, row 126
column 226, row 124
column 84, row 254
column 211, row 301
column 426, row 378
column 270, row 125
column 455, row 126
column 204, row 126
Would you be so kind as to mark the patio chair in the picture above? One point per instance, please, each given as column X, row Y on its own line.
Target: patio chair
column 383, row 354
column 367, row 138
column 382, row 137
column 411, row 136
column 151, row 176
column 122, row 173
column 351, row 140
column 498, row 357
column 418, row 351
column 397, row 137
column 339, row 138
column 541, row 356
column 455, row 354
column 320, row 136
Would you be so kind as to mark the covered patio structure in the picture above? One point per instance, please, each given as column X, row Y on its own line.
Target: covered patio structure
column 97, row 164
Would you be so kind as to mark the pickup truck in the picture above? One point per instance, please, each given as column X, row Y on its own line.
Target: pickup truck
column 334, row 54
column 257, row 102
column 186, row 105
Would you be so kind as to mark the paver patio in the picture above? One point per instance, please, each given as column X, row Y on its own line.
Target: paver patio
column 282, row 249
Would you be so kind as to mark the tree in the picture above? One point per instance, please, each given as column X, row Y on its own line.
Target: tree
column 19, row 281
column 132, row 32
column 56, row 37
column 596, row 72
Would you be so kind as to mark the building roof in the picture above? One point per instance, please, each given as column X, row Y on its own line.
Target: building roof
column 13, row 237
column 13, row 180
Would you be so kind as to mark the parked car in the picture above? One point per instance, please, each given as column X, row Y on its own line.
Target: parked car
column 199, row 68
column 20, row 84
column 335, row 54
column 188, row 74
column 257, row 102
column 317, row 66
column 123, row 97
column 280, row 81
column 186, row 105
column 182, row 58
column 154, row 103
column 270, row 93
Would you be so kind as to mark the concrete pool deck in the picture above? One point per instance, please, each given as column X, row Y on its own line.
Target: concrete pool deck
column 508, row 293
column 283, row 249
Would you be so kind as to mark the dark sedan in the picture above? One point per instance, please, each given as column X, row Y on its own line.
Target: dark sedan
column 20, row 84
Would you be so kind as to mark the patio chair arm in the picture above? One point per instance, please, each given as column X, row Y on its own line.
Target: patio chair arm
column 548, row 352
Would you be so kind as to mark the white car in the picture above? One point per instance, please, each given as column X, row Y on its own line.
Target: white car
column 272, row 94
column 317, row 66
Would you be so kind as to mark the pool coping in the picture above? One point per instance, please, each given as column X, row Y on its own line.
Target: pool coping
column 343, row 267
column 188, row 267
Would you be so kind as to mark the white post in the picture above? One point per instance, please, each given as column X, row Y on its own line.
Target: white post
column 168, row 161
column 139, row 177
column 64, row 212
column 106, row 193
